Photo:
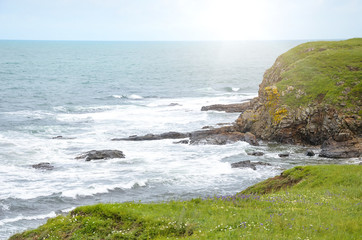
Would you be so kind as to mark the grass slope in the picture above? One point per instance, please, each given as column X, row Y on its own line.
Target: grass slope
column 326, row 71
column 310, row 202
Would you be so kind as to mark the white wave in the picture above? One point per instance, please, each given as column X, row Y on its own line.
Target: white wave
column 116, row 96
column 135, row 97
column 97, row 189
column 27, row 218
column 235, row 89
column 67, row 210
column 4, row 207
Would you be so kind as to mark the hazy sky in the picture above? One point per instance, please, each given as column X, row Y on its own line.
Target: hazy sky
column 180, row 19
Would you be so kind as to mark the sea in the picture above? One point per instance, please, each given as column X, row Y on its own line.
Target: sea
column 90, row 92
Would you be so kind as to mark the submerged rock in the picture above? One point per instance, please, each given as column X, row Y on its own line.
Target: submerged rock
column 255, row 153
column 43, row 166
column 182, row 142
column 248, row 164
column 101, row 154
column 61, row 137
column 283, row 154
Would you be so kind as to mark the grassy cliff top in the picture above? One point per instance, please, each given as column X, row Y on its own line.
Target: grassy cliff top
column 310, row 202
column 327, row 72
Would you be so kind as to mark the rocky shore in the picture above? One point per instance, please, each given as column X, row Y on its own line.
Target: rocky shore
column 310, row 96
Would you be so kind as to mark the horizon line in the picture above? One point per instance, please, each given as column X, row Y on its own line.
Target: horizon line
column 201, row 40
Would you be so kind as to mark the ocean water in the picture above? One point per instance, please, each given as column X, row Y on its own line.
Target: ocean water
column 91, row 92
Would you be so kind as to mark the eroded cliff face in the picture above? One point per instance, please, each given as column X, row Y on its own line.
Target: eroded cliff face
column 270, row 117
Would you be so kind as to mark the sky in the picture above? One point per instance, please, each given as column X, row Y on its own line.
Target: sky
column 180, row 20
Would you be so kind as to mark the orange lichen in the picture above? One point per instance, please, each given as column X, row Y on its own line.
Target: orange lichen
column 272, row 100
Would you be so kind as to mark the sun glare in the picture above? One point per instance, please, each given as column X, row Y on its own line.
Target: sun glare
column 234, row 19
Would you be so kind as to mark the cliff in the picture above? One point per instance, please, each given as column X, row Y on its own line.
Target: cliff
column 311, row 95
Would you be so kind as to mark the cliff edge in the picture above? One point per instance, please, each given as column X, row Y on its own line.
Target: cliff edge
column 311, row 95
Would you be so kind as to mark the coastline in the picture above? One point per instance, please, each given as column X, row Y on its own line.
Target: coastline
column 215, row 136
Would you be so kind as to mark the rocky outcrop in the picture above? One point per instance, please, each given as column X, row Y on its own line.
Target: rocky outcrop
column 150, row 136
column 214, row 136
column 303, row 114
column 341, row 149
column 248, row 164
column 101, row 154
column 229, row 108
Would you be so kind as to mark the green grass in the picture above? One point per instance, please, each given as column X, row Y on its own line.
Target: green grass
column 328, row 72
column 310, row 202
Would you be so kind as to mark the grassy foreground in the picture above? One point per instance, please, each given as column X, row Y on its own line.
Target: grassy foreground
column 310, row 202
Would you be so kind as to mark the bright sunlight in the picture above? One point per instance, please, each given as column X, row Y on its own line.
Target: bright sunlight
column 234, row 19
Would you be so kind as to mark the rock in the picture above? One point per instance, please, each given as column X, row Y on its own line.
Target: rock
column 217, row 139
column 150, row 136
column 347, row 149
column 101, row 154
column 215, row 136
column 182, row 142
column 43, row 166
column 309, row 153
column 229, row 108
column 61, row 137
column 251, row 139
column 283, row 154
column 174, row 104
column 256, row 153
column 248, row 164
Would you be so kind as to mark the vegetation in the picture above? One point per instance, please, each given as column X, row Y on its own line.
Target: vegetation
column 310, row 202
column 328, row 72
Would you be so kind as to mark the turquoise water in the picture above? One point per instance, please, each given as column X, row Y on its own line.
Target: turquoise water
column 91, row 92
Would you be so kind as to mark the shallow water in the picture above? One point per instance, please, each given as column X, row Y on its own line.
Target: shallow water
column 91, row 92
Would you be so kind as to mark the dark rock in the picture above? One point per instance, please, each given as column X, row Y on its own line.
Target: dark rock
column 43, row 166
column 283, row 154
column 61, row 137
column 182, row 142
column 262, row 163
column 309, row 153
column 230, row 108
column 101, row 154
column 248, row 164
column 347, row 149
column 174, row 104
column 256, row 153
column 215, row 136
column 150, row 136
